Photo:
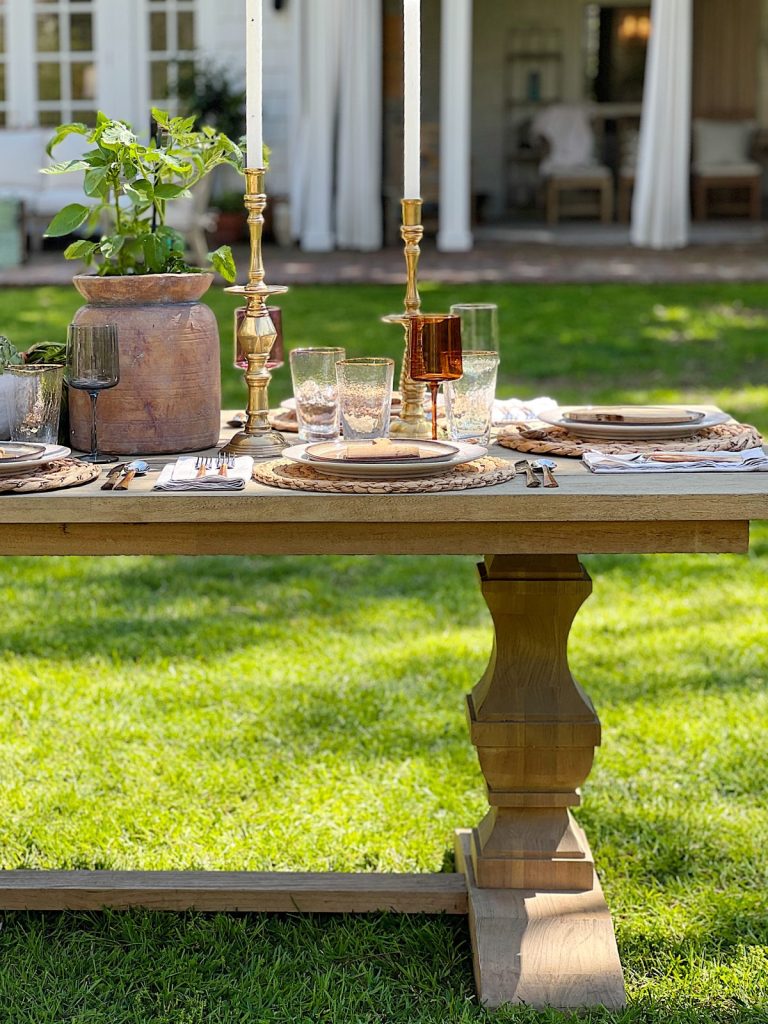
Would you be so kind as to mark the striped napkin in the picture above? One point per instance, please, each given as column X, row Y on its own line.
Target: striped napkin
column 181, row 475
column 750, row 460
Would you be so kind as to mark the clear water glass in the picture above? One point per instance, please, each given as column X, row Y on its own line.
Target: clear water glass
column 469, row 400
column 36, row 402
column 479, row 326
column 365, row 397
column 313, row 372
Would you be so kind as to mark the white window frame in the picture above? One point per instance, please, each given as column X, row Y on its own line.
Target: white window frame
column 121, row 54
column 69, row 109
column 172, row 54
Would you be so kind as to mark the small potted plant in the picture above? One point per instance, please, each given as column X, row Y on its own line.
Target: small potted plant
column 169, row 395
column 231, row 219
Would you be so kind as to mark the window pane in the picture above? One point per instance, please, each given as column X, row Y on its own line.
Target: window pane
column 185, row 70
column 2, row 119
column 2, row 84
column 85, row 114
column 83, row 81
column 48, row 82
column 2, row 33
column 47, row 33
column 49, row 118
column 186, row 30
column 158, row 72
column 80, row 32
column 158, row 34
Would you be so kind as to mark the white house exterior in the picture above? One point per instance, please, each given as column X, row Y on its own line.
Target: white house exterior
column 333, row 93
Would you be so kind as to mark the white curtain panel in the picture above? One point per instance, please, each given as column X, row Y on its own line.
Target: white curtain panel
column 358, row 190
column 660, row 217
column 312, row 191
column 336, row 181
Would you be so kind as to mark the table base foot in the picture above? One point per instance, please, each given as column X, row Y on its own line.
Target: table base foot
column 541, row 948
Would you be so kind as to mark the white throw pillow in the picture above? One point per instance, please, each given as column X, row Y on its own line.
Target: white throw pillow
column 721, row 142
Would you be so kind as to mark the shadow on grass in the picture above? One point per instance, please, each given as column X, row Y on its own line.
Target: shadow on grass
column 139, row 966
column 140, row 609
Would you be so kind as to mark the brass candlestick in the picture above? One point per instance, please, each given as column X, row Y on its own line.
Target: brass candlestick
column 412, row 422
column 256, row 334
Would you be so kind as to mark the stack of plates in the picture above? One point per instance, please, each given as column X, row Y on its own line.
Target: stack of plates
column 350, row 460
column 17, row 457
column 631, row 422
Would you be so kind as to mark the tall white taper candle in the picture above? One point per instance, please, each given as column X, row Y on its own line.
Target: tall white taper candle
column 253, row 85
column 412, row 93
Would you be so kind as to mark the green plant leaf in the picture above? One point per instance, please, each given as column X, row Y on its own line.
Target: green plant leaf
column 61, row 133
column 142, row 197
column 223, row 262
column 95, row 182
column 171, row 238
column 155, row 253
column 80, row 250
column 169, row 191
column 117, row 133
column 65, row 166
column 67, row 220
column 161, row 117
column 111, row 246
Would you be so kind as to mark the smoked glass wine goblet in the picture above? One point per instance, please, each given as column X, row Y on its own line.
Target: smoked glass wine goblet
column 434, row 352
column 92, row 366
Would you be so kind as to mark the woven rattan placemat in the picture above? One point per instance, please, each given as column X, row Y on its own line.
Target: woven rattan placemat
column 726, row 437
column 484, row 472
column 53, row 476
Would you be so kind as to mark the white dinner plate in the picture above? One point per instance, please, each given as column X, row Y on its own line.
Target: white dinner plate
column 19, row 451
column 426, row 451
column 52, row 452
column 625, row 432
column 389, row 470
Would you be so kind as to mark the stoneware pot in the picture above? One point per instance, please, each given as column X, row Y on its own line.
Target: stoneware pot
column 169, row 395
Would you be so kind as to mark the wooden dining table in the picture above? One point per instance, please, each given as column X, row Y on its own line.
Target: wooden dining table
column 540, row 929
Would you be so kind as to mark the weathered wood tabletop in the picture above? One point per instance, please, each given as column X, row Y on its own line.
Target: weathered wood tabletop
column 541, row 931
column 588, row 513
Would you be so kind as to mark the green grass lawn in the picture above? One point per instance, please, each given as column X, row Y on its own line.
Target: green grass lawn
column 307, row 713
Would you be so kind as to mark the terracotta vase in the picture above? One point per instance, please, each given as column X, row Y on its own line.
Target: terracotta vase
column 169, row 395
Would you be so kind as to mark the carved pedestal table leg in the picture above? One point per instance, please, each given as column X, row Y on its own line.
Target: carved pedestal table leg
column 541, row 931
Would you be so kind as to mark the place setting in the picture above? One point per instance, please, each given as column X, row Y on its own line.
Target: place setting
column 344, row 413
column 33, row 460
column 640, row 438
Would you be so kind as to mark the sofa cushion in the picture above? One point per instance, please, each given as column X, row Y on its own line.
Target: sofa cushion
column 745, row 170
column 22, row 154
column 721, row 142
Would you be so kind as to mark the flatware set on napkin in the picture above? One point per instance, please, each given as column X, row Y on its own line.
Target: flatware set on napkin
column 750, row 460
column 191, row 473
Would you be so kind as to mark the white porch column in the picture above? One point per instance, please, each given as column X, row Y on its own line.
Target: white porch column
column 121, row 74
column 455, row 233
column 660, row 205
column 20, row 64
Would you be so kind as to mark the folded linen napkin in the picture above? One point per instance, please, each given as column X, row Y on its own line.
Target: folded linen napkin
column 750, row 460
column 182, row 476
column 512, row 410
